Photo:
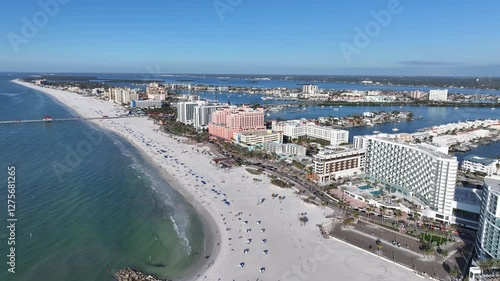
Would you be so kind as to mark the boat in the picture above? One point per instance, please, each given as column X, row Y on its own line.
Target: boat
column 335, row 109
column 47, row 119
column 376, row 132
column 395, row 129
column 268, row 114
column 456, row 107
column 492, row 108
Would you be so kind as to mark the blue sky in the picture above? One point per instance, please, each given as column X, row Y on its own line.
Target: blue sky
column 253, row 36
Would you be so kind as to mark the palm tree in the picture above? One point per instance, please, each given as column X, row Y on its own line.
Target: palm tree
column 453, row 273
column 485, row 265
column 443, row 253
column 369, row 209
column 428, row 249
column 382, row 211
column 416, row 216
column 348, row 221
column 355, row 215
column 397, row 214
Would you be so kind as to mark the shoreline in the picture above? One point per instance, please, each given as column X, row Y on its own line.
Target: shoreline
column 254, row 228
column 209, row 226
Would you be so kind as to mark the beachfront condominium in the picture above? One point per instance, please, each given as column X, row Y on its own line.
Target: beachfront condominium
column 203, row 114
column 438, row 95
column 416, row 95
column 303, row 128
column 186, row 111
column 310, row 89
column 424, row 172
column 227, row 121
column 488, row 235
column 334, row 162
column 122, row 95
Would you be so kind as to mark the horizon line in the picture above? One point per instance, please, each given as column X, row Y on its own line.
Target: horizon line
column 250, row 74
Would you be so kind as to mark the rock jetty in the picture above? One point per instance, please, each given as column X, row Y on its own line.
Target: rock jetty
column 129, row 274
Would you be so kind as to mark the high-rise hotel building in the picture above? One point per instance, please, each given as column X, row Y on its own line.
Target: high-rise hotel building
column 419, row 171
column 488, row 234
column 227, row 121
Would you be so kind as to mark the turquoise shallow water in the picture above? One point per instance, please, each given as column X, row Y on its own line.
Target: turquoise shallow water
column 107, row 210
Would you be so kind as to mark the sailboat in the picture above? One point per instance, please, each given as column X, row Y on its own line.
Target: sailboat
column 395, row 129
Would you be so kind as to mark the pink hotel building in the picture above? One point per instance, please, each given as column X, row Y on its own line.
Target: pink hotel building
column 227, row 121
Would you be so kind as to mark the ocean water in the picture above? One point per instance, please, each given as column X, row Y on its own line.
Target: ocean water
column 85, row 219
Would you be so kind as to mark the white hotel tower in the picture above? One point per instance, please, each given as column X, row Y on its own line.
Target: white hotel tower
column 488, row 235
column 414, row 170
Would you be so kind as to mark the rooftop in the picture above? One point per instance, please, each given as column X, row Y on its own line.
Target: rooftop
column 433, row 150
column 493, row 182
column 468, row 195
column 258, row 133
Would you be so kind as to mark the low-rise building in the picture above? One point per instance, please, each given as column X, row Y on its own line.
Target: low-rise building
column 253, row 138
column 449, row 140
column 438, row 95
column 336, row 162
column 285, row 149
column 146, row 103
column 473, row 163
column 297, row 128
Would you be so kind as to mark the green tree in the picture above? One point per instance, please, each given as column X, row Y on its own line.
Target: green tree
column 382, row 210
column 348, row 221
column 397, row 214
column 427, row 249
column 355, row 215
column 453, row 272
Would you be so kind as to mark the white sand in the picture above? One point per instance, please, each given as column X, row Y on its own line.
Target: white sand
column 295, row 252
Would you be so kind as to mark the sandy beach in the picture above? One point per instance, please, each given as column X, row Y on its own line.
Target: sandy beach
column 254, row 236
